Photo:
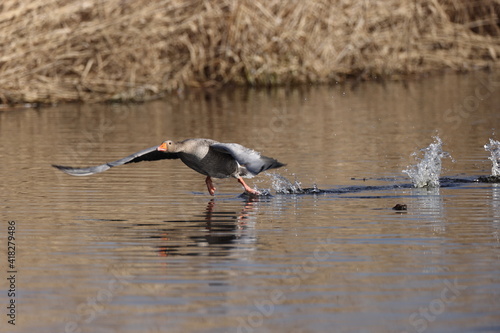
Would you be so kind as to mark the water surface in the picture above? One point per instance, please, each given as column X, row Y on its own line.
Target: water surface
column 144, row 248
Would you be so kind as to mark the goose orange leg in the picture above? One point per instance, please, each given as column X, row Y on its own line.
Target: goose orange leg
column 248, row 189
column 210, row 185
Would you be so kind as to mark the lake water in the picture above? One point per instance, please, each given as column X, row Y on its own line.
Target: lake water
column 144, row 248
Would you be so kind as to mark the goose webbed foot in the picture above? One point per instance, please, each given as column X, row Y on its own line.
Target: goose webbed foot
column 210, row 185
column 247, row 188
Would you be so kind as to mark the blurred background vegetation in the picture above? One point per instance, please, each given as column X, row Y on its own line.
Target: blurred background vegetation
column 126, row 50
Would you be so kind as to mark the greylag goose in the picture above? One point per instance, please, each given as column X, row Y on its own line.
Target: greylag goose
column 209, row 157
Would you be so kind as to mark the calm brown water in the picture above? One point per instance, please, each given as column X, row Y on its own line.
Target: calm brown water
column 144, row 248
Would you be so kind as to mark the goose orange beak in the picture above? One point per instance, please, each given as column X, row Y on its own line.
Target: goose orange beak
column 162, row 147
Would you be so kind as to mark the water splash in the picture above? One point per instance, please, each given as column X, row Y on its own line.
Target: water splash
column 494, row 148
column 428, row 168
column 284, row 186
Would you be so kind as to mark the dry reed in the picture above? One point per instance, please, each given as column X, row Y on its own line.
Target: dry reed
column 99, row 50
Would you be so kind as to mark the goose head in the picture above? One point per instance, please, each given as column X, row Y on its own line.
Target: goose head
column 168, row 146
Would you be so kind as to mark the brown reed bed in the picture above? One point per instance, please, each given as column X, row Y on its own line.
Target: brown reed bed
column 101, row 50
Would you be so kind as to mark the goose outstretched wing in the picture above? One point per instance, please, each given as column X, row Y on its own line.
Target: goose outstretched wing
column 149, row 154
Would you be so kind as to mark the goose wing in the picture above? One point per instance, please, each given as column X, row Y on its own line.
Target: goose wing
column 253, row 161
column 149, row 154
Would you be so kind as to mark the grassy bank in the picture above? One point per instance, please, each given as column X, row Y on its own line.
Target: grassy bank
column 97, row 50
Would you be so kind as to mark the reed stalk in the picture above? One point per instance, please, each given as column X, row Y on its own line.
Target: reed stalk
column 101, row 50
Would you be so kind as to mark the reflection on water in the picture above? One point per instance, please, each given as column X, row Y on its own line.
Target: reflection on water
column 430, row 205
column 495, row 207
column 222, row 232
column 144, row 248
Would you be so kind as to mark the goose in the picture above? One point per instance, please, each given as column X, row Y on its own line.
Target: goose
column 211, row 158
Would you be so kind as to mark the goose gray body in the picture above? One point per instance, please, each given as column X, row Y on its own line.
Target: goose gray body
column 208, row 157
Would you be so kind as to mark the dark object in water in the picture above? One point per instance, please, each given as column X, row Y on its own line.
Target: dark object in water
column 400, row 207
column 489, row 179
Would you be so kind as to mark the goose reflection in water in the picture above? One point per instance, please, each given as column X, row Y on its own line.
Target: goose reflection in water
column 222, row 231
